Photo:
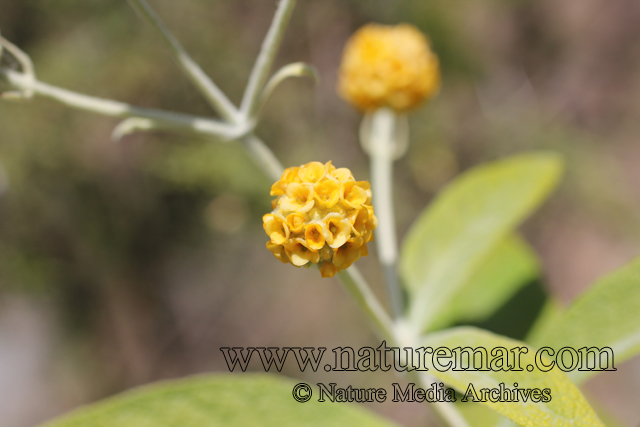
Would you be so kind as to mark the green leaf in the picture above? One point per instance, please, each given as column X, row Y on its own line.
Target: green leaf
column 567, row 406
column 479, row 415
column 548, row 318
column 606, row 315
column 454, row 236
column 510, row 266
column 225, row 400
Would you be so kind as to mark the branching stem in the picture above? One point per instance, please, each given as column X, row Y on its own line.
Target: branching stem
column 214, row 96
column 162, row 119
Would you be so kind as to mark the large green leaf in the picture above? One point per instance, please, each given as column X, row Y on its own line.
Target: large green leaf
column 567, row 406
column 457, row 233
column 548, row 318
column 510, row 266
column 606, row 315
column 225, row 400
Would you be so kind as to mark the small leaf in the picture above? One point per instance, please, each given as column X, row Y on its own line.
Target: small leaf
column 510, row 266
column 218, row 401
column 606, row 315
column 131, row 125
column 296, row 69
column 567, row 406
column 454, row 236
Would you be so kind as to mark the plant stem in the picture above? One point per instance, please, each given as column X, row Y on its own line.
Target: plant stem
column 399, row 333
column 359, row 290
column 265, row 59
column 25, row 64
column 256, row 148
column 161, row 119
column 263, row 156
column 214, row 96
column 381, row 149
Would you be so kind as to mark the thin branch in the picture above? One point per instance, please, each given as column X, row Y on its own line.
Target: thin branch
column 216, row 98
column 25, row 64
column 161, row 119
column 266, row 57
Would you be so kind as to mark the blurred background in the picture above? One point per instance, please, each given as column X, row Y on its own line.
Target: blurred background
column 126, row 263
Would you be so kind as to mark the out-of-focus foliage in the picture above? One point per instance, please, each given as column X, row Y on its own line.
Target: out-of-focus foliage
column 220, row 401
column 458, row 232
column 510, row 266
column 606, row 316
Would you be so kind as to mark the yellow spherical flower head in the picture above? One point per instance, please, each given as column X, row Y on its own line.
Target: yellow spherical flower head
column 321, row 215
column 388, row 66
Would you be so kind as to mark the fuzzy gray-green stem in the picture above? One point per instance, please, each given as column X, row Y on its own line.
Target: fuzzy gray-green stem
column 381, row 148
column 162, row 119
column 268, row 51
column 216, row 98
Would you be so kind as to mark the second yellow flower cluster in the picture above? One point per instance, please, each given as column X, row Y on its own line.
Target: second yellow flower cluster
column 322, row 216
column 388, row 66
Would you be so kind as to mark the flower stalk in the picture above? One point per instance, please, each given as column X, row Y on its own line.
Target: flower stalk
column 399, row 333
column 381, row 145
column 357, row 287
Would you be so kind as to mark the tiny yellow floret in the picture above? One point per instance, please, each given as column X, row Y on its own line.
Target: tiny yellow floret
column 388, row 66
column 321, row 215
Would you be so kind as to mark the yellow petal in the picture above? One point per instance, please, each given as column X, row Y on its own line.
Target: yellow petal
column 327, row 269
column 352, row 195
column 342, row 174
column 278, row 251
column 312, row 172
column 295, row 222
column 314, row 236
column 327, row 192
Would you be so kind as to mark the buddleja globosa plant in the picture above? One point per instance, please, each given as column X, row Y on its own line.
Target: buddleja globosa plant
column 460, row 261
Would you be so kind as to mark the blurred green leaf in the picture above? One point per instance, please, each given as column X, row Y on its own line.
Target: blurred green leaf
column 607, row 315
column 454, row 236
column 480, row 416
column 549, row 315
column 218, row 401
column 510, row 266
column 567, row 406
